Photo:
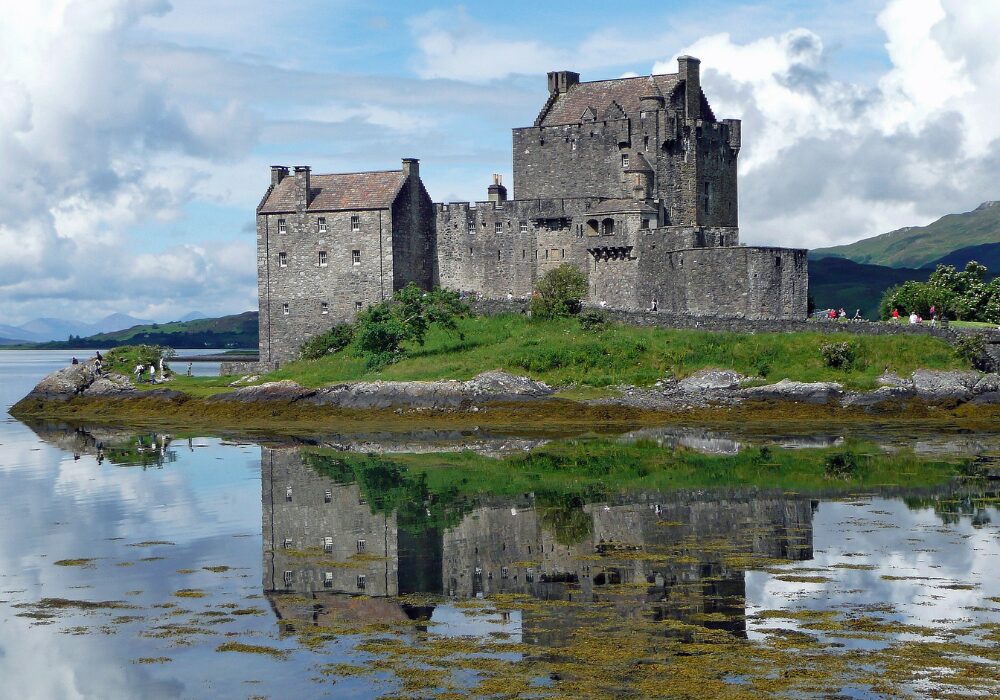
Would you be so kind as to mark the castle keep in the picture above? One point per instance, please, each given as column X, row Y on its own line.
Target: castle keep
column 633, row 181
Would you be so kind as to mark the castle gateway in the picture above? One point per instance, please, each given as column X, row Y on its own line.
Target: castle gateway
column 633, row 181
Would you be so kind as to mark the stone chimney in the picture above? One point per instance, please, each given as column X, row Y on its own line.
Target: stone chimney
column 561, row 81
column 411, row 168
column 497, row 192
column 689, row 69
column 302, row 192
column 278, row 173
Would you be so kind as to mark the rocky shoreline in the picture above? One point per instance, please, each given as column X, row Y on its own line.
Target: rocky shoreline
column 705, row 390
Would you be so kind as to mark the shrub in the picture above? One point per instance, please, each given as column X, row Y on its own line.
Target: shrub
column 559, row 293
column 125, row 357
column 838, row 355
column 841, row 466
column 337, row 338
column 594, row 320
column 972, row 349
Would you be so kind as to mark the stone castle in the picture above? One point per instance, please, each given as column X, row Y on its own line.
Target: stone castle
column 633, row 181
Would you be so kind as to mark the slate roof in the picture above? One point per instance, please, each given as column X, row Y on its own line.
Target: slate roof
column 339, row 192
column 569, row 107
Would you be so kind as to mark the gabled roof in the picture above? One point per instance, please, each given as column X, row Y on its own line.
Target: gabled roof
column 339, row 192
column 568, row 107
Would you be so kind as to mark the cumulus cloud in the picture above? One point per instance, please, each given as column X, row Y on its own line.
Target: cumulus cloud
column 828, row 161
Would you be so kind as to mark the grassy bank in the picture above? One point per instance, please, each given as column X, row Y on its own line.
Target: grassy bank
column 560, row 353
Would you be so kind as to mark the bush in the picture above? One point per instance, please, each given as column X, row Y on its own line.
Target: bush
column 125, row 357
column 337, row 338
column 594, row 320
column 841, row 466
column 559, row 293
column 972, row 349
column 838, row 355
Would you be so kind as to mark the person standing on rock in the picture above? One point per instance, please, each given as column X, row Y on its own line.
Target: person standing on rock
column 75, row 361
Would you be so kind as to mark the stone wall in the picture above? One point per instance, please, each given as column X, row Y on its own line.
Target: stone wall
column 414, row 255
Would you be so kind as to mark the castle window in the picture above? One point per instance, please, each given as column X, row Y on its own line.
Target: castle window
column 592, row 228
column 321, row 224
column 644, row 223
column 356, row 257
column 645, row 142
column 524, row 253
column 777, row 262
column 328, row 545
column 288, row 578
column 498, row 255
column 624, row 160
column 324, row 307
column 498, row 227
column 322, row 258
column 529, row 575
column 287, row 543
column 357, row 306
column 327, row 579
column 362, row 546
column 504, row 572
column 546, row 253
column 284, row 312
column 288, row 489
column 524, row 227
column 362, row 580
column 282, row 259
column 328, row 496
column 281, row 226
column 355, row 222
column 706, row 196
column 722, row 239
column 472, row 227
column 608, row 227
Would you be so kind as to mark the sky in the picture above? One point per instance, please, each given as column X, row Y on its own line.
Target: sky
column 136, row 135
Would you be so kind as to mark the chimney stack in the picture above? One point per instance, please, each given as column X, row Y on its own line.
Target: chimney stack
column 411, row 167
column 497, row 192
column 278, row 173
column 561, row 81
column 689, row 70
column 302, row 186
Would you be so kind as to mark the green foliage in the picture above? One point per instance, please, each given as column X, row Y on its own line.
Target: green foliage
column 838, row 355
column 382, row 329
column 594, row 320
column 125, row 358
column 958, row 295
column 972, row 349
column 559, row 293
column 337, row 338
column 842, row 465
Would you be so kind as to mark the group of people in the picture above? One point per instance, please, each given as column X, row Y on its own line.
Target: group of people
column 915, row 317
column 98, row 362
column 141, row 369
column 833, row 315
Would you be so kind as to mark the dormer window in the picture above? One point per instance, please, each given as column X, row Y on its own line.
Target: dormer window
column 321, row 224
column 624, row 160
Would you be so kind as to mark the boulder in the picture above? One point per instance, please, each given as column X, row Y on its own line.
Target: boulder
column 285, row 390
column 711, row 380
column 787, row 390
column 939, row 385
column 990, row 383
column 888, row 378
column 65, row 383
column 110, row 385
column 497, row 385
column 885, row 397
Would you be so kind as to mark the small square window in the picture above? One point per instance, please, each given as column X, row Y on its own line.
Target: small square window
column 355, row 222
column 624, row 160
column 281, row 226
column 524, row 227
column 328, row 545
column 362, row 580
column 498, row 227
column 362, row 546
column 321, row 224
column 322, row 258
column 504, row 572
column 356, row 257
column 285, row 312
column 328, row 496
column 357, row 306
column 282, row 259
column 287, row 543
column 324, row 307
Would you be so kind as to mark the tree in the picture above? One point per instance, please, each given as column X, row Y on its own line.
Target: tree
column 383, row 328
column 963, row 295
column 559, row 293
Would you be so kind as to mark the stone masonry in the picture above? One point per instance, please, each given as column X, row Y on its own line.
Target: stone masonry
column 633, row 181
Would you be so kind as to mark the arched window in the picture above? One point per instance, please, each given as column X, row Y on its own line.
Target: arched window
column 608, row 227
column 592, row 228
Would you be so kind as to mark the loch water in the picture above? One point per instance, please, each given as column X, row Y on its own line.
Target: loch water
column 666, row 562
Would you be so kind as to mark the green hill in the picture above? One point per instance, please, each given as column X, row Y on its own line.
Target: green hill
column 916, row 246
column 836, row 283
column 238, row 331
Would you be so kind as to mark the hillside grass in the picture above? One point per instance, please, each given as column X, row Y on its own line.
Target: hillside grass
column 560, row 353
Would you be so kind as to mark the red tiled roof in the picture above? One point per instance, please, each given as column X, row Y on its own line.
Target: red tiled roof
column 569, row 107
column 338, row 192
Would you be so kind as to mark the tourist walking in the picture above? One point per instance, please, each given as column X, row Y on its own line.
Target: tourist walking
column 857, row 315
column 139, row 369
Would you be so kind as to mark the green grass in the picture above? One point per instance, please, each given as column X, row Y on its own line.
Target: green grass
column 560, row 353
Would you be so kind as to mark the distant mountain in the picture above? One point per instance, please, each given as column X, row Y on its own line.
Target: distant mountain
column 917, row 246
column 836, row 283
column 193, row 316
column 40, row 330
column 236, row 331
column 988, row 254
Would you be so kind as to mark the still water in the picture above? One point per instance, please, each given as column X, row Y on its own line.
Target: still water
column 667, row 562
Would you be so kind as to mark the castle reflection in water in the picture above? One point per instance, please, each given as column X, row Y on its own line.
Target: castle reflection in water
column 655, row 555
